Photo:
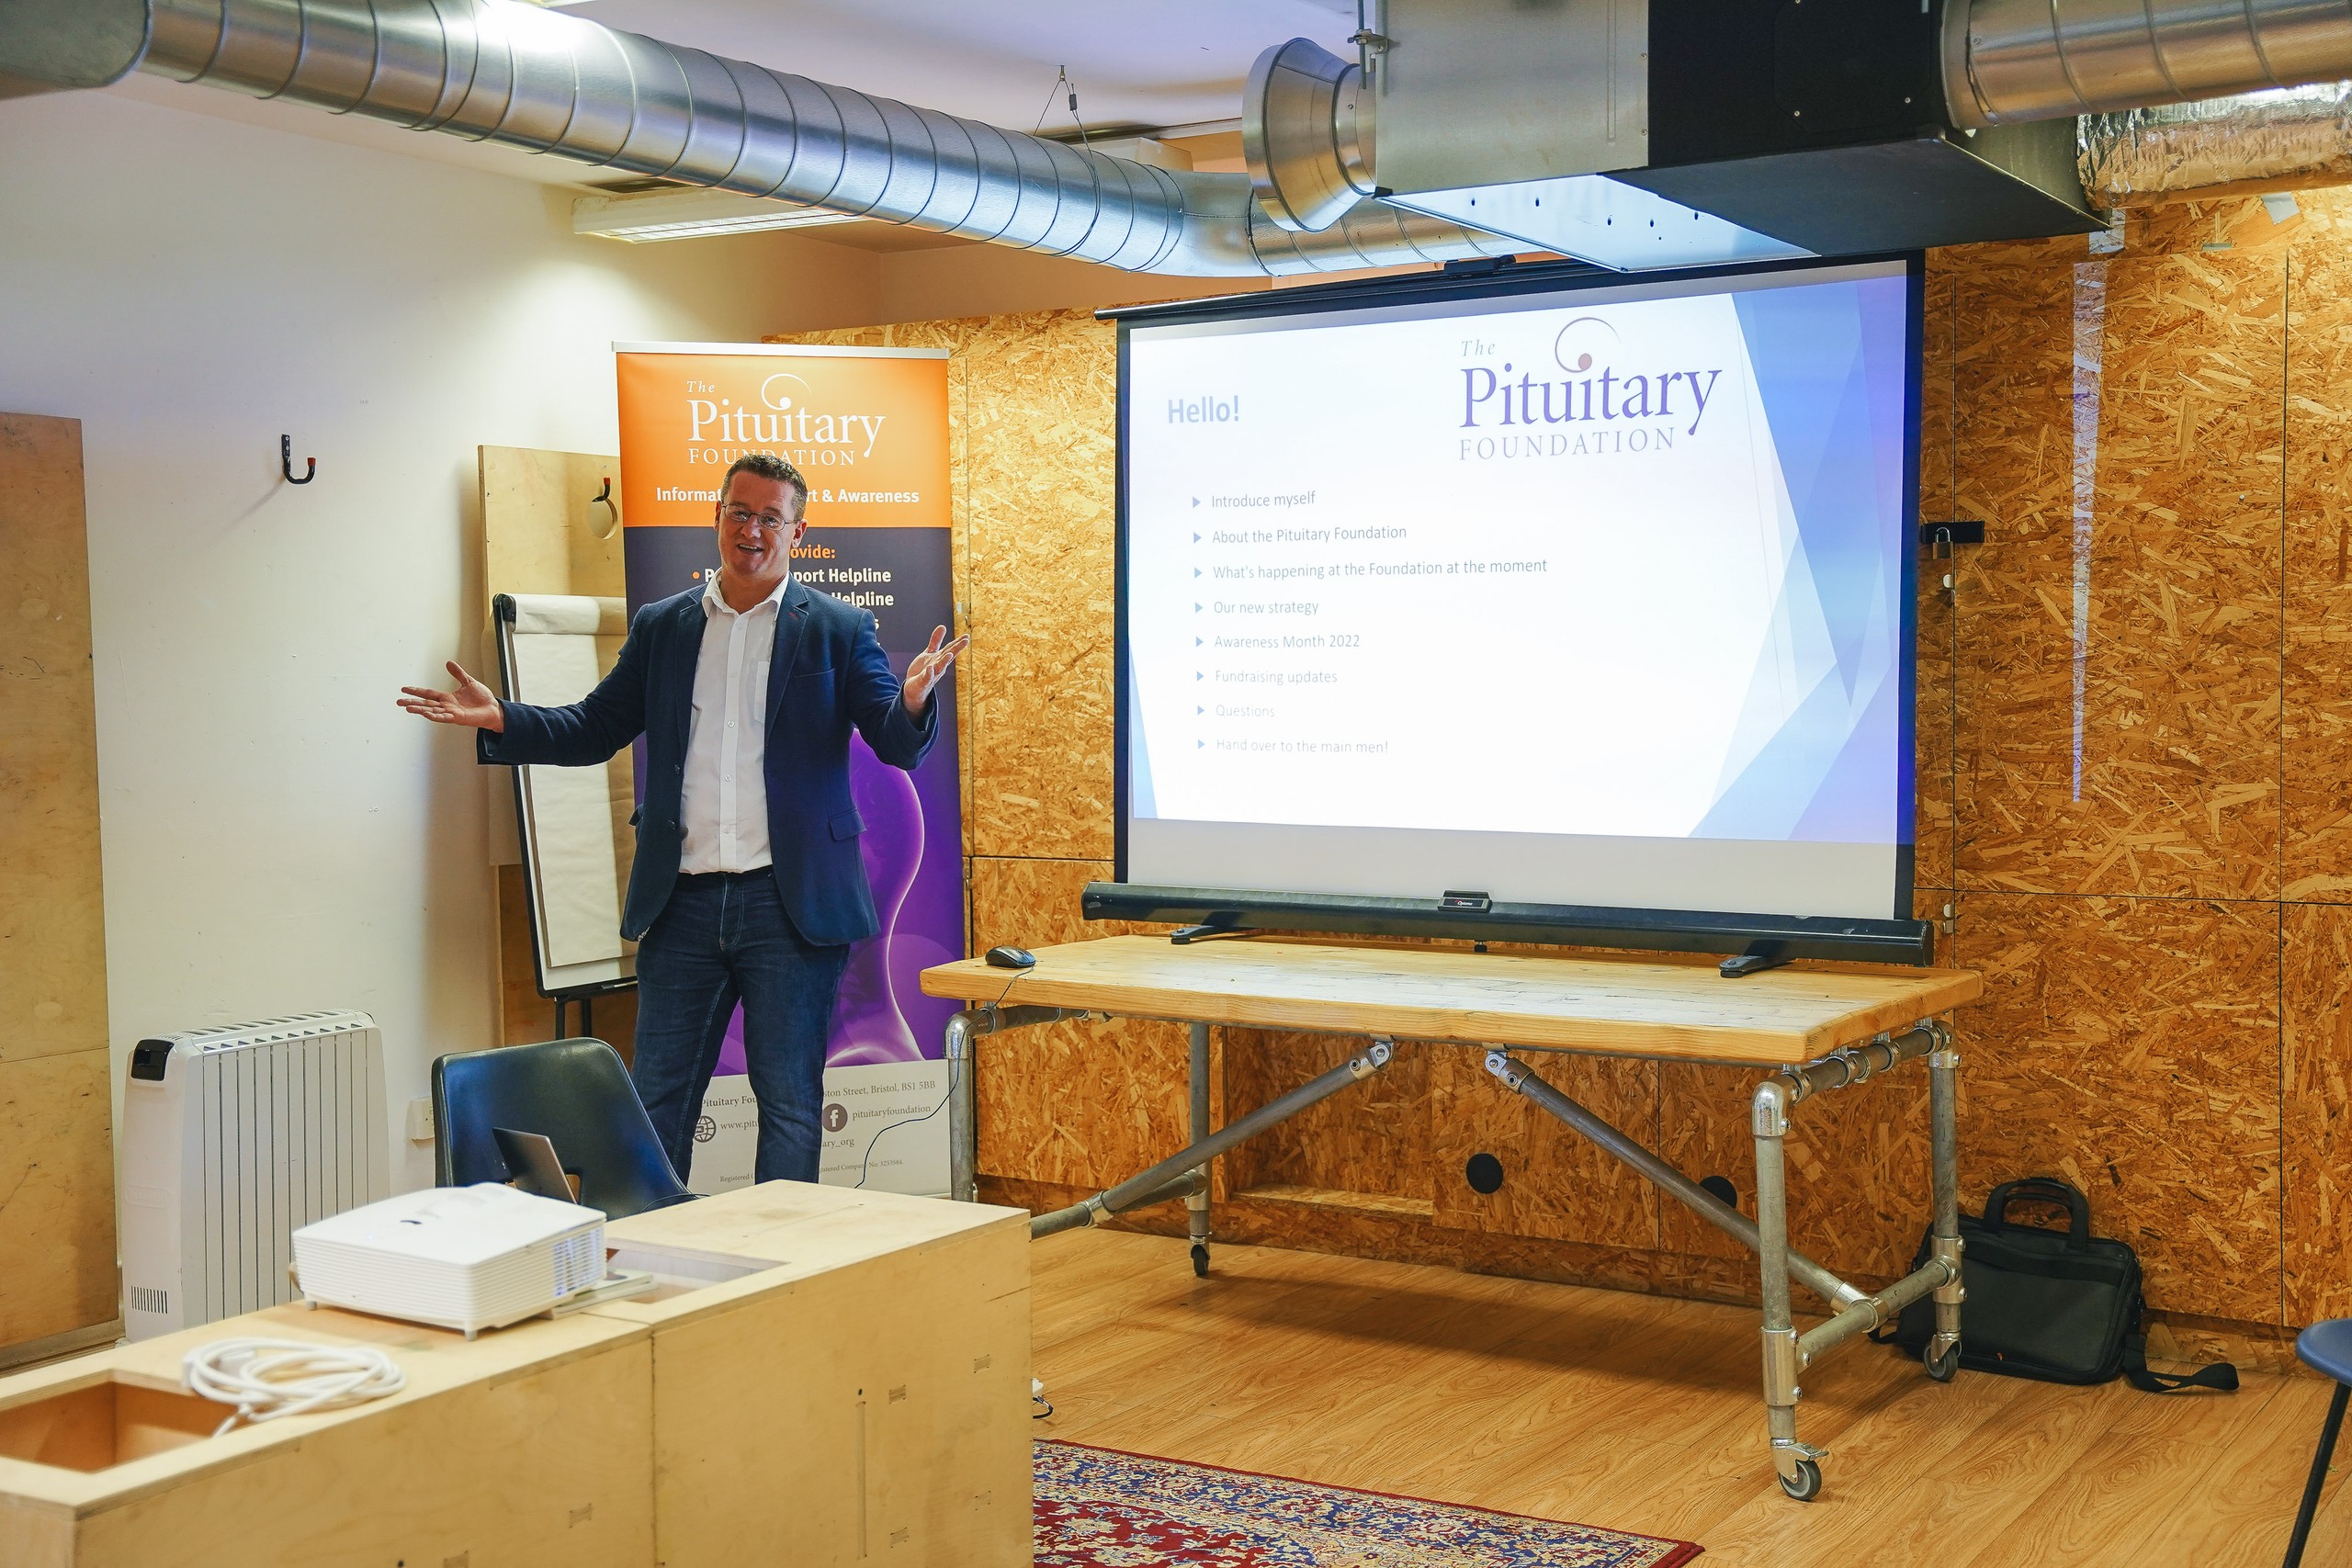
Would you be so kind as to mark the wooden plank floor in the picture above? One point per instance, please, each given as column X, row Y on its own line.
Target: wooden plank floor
column 1641, row 1413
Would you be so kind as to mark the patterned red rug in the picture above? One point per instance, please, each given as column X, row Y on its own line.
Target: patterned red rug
column 1100, row 1508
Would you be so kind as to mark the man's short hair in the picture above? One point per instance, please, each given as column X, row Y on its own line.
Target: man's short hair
column 768, row 466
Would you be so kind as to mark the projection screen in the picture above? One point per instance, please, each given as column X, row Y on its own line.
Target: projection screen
column 1591, row 594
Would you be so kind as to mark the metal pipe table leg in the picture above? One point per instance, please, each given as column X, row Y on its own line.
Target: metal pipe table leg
column 963, row 1099
column 1196, row 1205
column 1797, row 1464
column 962, row 1124
column 1609, row 1140
column 1943, row 1115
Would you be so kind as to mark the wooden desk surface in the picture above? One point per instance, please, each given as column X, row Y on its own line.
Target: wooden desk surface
column 1650, row 1006
column 800, row 1228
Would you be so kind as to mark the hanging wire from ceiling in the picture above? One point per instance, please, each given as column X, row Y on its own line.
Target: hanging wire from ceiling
column 1061, row 80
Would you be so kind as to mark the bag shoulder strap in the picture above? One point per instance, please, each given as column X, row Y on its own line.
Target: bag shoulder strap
column 2220, row 1376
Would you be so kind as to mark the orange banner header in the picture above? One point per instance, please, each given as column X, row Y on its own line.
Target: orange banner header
column 868, row 428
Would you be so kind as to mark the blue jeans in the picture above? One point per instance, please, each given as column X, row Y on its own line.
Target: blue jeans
column 722, row 939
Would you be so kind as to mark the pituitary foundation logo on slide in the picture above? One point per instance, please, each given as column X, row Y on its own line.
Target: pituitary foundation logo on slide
column 870, row 435
column 1573, row 398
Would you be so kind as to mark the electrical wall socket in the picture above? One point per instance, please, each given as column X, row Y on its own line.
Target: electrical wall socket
column 420, row 1120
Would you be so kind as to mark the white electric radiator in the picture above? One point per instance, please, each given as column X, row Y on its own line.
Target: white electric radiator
column 232, row 1139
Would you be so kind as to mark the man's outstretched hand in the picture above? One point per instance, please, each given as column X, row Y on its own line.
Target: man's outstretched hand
column 924, row 671
column 470, row 705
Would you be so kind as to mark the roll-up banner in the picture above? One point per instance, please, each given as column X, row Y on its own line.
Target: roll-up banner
column 868, row 429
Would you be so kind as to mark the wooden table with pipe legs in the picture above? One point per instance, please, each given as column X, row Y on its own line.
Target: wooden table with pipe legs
column 1808, row 1029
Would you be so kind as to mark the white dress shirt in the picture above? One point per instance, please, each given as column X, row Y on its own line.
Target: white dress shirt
column 726, row 808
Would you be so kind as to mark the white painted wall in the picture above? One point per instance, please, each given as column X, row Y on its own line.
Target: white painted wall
column 277, row 835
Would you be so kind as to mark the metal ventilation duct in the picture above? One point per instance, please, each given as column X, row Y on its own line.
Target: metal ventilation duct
column 2301, row 133
column 2011, row 60
column 1306, row 129
column 1705, row 129
column 553, row 82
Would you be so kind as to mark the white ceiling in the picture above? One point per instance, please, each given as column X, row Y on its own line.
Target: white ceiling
column 1134, row 62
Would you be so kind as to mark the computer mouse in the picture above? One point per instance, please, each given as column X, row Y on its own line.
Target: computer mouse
column 1012, row 958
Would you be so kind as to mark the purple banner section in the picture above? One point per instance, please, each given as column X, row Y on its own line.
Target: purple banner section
column 914, row 835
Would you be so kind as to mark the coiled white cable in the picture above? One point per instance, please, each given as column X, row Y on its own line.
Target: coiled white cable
column 265, row 1379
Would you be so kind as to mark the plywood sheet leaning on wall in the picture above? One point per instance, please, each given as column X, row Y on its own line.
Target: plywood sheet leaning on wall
column 544, row 532
column 56, row 1126
column 58, row 1290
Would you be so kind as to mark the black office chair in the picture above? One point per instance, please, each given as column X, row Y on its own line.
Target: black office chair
column 575, row 1092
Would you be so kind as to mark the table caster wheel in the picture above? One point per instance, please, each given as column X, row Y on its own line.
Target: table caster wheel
column 1805, row 1485
column 1941, row 1368
column 1199, row 1261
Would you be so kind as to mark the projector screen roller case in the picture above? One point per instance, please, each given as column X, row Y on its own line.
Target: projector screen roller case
column 1594, row 597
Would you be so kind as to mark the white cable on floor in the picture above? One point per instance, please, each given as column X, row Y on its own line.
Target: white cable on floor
column 265, row 1379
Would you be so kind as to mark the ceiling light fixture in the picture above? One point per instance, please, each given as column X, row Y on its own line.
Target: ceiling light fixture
column 692, row 215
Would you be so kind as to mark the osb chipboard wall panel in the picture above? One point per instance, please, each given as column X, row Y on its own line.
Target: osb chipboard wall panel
column 2316, row 717
column 2315, row 994
column 1042, row 545
column 1373, row 1136
column 1087, row 1104
column 56, row 1195
column 2159, row 596
column 2135, row 1025
column 1556, row 1185
column 1856, row 1161
column 2131, row 1046
column 1034, row 401
column 52, row 920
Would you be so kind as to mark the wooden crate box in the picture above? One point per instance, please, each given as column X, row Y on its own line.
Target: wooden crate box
column 839, row 1377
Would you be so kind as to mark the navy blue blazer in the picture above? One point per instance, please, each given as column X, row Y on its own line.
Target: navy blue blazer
column 828, row 673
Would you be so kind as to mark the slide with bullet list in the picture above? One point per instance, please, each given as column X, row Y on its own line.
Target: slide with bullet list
column 1595, row 596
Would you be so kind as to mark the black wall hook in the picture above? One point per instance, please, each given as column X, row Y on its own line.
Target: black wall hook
column 286, row 463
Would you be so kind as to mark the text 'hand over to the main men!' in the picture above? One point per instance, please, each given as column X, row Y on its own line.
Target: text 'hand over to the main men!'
column 470, row 705
column 926, row 669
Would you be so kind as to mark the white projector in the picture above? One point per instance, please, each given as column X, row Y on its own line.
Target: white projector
column 462, row 1257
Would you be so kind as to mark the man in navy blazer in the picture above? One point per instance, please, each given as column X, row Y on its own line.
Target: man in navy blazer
column 748, row 883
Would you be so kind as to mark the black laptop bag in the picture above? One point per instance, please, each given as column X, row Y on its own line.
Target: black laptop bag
column 2063, row 1306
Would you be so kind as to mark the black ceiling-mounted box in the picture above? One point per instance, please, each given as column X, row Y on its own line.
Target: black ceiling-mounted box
column 1820, row 122
column 1766, row 126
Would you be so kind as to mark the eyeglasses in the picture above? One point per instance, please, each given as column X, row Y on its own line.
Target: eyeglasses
column 743, row 517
